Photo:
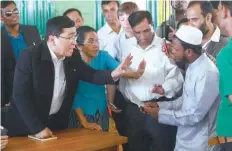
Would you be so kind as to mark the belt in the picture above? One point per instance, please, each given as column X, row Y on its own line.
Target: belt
column 219, row 140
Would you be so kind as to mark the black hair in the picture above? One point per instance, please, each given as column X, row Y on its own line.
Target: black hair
column 183, row 20
column 72, row 10
column 56, row 25
column 107, row 2
column 81, row 31
column 214, row 4
column 228, row 4
column 206, row 7
column 137, row 17
column 6, row 3
column 196, row 48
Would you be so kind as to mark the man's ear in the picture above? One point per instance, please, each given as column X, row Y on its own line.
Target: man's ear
column 52, row 39
column 189, row 52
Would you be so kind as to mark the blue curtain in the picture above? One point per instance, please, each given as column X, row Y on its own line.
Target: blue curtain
column 35, row 12
column 152, row 7
column 99, row 18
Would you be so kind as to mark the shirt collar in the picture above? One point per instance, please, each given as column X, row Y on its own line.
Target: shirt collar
column 109, row 30
column 216, row 35
column 20, row 33
column 54, row 57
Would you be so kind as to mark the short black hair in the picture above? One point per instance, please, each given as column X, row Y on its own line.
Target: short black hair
column 183, row 20
column 196, row 48
column 206, row 7
column 228, row 4
column 56, row 25
column 81, row 31
column 72, row 10
column 137, row 17
column 214, row 4
column 6, row 3
column 107, row 2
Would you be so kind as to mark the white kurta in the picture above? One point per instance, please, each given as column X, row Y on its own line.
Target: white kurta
column 195, row 112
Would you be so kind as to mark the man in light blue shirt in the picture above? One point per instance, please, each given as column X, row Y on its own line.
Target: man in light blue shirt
column 195, row 111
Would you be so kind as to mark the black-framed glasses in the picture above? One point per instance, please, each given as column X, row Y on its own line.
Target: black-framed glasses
column 10, row 13
column 69, row 38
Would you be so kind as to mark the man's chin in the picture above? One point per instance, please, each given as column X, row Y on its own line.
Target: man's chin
column 13, row 25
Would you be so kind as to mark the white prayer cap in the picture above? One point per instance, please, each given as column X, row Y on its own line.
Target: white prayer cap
column 189, row 34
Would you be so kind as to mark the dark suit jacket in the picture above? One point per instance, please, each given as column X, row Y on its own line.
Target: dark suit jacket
column 33, row 90
column 8, row 60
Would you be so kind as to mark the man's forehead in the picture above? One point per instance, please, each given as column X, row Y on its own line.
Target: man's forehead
column 10, row 7
column 143, row 25
column 74, row 14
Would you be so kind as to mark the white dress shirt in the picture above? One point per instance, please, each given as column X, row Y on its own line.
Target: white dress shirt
column 159, row 70
column 59, row 83
column 107, row 38
column 120, row 46
column 195, row 111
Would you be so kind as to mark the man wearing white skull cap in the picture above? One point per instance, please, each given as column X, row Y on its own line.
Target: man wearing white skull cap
column 195, row 111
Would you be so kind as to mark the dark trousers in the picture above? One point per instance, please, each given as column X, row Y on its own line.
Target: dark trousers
column 226, row 147
column 120, row 118
column 144, row 133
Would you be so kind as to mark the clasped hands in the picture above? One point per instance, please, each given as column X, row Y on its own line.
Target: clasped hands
column 152, row 108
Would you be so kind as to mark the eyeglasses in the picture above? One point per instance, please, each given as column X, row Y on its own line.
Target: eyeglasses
column 10, row 13
column 69, row 38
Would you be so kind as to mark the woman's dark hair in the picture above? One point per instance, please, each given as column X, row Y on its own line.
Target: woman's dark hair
column 81, row 31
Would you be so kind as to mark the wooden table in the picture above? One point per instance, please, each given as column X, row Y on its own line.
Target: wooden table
column 70, row 140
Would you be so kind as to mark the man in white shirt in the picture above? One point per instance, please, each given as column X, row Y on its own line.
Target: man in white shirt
column 124, row 38
column 142, row 131
column 195, row 111
column 109, row 32
column 200, row 15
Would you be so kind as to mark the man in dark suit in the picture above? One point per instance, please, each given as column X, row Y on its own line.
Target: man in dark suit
column 15, row 37
column 46, row 78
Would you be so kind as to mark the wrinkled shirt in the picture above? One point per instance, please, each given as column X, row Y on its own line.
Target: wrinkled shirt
column 159, row 70
column 195, row 111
